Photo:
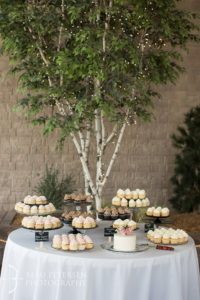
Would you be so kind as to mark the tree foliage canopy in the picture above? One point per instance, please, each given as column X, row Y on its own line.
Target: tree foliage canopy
column 82, row 55
column 186, row 179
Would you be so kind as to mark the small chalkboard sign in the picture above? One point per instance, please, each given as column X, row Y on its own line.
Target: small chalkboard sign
column 109, row 231
column 148, row 226
column 42, row 236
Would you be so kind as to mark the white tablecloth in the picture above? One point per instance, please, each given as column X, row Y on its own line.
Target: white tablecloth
column 32, row 274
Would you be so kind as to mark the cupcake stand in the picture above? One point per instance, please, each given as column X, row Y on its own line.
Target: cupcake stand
column 157, row 221
column 81, row 206
column 41, row 235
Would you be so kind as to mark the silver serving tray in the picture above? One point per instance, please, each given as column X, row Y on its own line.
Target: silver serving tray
column 139, row 248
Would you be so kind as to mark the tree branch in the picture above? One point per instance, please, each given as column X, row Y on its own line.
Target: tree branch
column 116, row 150
column 61, row 27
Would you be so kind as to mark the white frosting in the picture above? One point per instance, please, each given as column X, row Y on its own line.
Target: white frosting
column 124, row 242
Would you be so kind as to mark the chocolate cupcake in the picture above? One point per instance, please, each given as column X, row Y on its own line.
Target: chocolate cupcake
column 114, row 215
column 107, row 215
column 101, row 213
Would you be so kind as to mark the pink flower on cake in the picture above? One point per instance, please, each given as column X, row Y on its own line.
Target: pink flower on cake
column 125, row 230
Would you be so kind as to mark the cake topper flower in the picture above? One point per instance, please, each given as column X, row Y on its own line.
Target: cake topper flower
column 125, row 230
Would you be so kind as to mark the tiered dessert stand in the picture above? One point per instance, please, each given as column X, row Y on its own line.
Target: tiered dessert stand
column 41, row 243
column 81, row 206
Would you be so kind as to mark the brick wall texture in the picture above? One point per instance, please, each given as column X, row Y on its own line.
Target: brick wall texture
column 146, row 158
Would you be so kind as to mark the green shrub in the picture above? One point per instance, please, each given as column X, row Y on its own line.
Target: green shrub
column 54, row 186
column 186, row 179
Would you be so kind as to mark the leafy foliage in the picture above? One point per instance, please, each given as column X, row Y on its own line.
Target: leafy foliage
column 186, row 180
column 54, row 187
column 60, row 48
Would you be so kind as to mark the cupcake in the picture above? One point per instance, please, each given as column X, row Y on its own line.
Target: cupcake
column 156, row 212
column 41, row 209
column 132, row 224
column 57, row 242
column 34, row 210
column 47, row 224
column 26, row 210
column 135, row 195
column 150, row 235
column 88, row 242
column 116, row 201
column 74, row 222
column 157, row 238
column 165, row 212
column 147, row 201
column 149, row 212
column 73, row 246
column 120, row 193
column 65, row 243
column 127, row 194
column 124, row 202
column 27, row 199
column 25, row 221
column 144, row 203
column 142, row 194
column 101, row 213
column 87, row 223
column 138, row 203
column 132, row 203
column 81, row 246
column 30, row 223
column 117, row 223
column 114, row 215
column 174, row 238
column 39, row 224
column 166, row 238
column 107, row 215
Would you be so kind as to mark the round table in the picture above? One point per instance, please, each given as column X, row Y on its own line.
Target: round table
column 49, row 274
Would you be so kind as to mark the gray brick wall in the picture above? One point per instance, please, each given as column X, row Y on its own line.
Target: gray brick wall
column 146, row 158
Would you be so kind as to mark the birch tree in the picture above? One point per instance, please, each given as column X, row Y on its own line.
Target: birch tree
column 90, row 68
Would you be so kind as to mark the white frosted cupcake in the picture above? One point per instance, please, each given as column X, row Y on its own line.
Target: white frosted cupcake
column 73, row 246
column 147, row 201
column 135, row 195
column 128, row 194
column 166, row 238
column 144, row 203
column 165, row 212
column 25, row 221
column 142, row 194
column 34, row 210
column 120, row 193
column 132, row 203
column 30, row 223
column 157, row 238
column 138, row 203
column 27, row 199
column 47, row 224
column 26, row 210
column 116, row 201
column 132, row 224
column 150, row 211
column 156, row 212
column 42, row 209
column 124, row 202
column 57, row 242
column 174, row 238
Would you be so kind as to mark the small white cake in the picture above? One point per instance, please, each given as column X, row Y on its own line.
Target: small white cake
column 124, row 242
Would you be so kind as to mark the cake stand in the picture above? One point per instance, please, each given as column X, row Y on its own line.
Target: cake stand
column 41, row 243
column 157, row 221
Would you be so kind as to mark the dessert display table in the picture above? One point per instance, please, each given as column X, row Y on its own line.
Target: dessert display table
column 48, row 274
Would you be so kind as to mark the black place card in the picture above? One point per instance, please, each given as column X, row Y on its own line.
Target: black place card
column 109, row 231
column 42, row 236
column 148, row 226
